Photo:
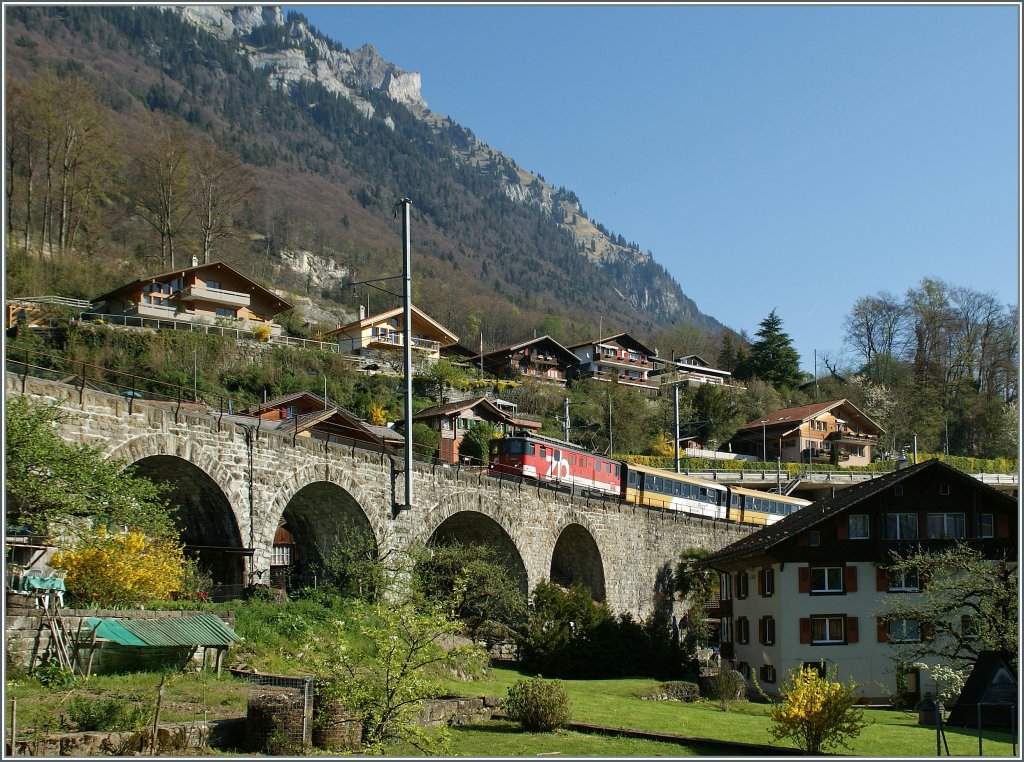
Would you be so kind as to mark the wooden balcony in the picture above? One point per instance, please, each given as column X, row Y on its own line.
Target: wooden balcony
column 202, row 293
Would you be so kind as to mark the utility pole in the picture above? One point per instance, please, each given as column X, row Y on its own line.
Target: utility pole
column 407, row 330
column 675, row 418
column 565, row 420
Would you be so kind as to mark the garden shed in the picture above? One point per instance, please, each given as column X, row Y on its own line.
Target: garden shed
column 128, row 644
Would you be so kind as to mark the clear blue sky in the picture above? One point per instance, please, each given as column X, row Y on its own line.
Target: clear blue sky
column 786, row 157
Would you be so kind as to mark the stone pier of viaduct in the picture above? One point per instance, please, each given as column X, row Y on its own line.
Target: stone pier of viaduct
column 233, row 486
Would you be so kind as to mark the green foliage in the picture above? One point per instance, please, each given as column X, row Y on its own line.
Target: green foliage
column 50, row 483
column 816, row 711
column 425, row 440
column 52, row 675
column 726, row 686
column 772, row 357
column 475, row 582
column 957, row 581
column 570, row 635
column 695, row 585
column 384, row 661
column 538, row 705
column 89, row 714
column 476, row 443
column 354, row 567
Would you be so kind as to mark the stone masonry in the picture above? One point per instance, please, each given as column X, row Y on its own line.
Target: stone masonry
column 617, row 549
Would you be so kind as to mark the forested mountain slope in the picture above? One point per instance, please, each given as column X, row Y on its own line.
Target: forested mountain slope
column 308, row 146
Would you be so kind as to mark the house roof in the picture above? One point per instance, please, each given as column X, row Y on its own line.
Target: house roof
column 359, row 325
column 794, row 416
column 254, row 286
column 196, row 630
column 331, row 413
column 511, row 349
column 823, row 510
column 619, row 338
column 452, row 408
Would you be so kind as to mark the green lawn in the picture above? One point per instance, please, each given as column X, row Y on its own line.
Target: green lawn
column 617, row 703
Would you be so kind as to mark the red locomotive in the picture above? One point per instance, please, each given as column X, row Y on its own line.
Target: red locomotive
column 552, row 461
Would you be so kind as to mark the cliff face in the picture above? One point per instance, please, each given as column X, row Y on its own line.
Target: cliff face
column 297, row 53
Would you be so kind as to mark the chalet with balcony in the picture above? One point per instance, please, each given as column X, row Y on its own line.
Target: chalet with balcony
column 385, row 332
column 304, row 414
column 455, row 419
column 813, row 588
column 692, row 370
column 811, row 434
column 619, row 358
column 199, row 294
column 542, row 358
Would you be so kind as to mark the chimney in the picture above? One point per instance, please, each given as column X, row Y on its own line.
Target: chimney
column 362, row 312
column 195, row 261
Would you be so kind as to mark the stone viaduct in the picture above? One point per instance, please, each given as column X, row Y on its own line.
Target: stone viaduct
column 234, row 486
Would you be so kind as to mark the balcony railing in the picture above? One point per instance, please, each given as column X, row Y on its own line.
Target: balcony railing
column 395, row 339
column 851, row 437
column 204, row 293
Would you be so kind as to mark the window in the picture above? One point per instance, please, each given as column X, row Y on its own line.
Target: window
column 897, row 491
column 744, row 669
column 986, row 525
column 814, row 538
column 828, row 629
column 827, row 579
column 904, row 631
column 860, row 526
column 725, row 586
column 281, row 555
column 228, row 312
column 742, row 585
column 946, row 526
column 726, row 633
column 817, row 666
column 212, row 283
column 742, row 630
column 903, row 581
column 768, row 673
column 767, row 631
column 943, row 489
column 768, row 583
column 900, row 526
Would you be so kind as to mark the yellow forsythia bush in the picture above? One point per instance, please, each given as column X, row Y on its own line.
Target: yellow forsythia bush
column 262, row 332
column 816, row 712
column 113, row 568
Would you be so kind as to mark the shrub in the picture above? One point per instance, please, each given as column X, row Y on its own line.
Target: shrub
column 262, row 333
column 114, row 568
column 53, row 675
column 680, row 690
column 538, row 704
column 88, row 714
column 726, row 686
column 816, row 711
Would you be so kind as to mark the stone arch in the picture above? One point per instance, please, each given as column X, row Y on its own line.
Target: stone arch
column 204, row 516
column 476, row 528
column 321, row 517
column 576, row 558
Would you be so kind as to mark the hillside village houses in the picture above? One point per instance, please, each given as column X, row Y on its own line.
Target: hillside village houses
column 455, row 419
column 386, row 331
column 811, row 589
column 618, row 358
column 199, row 294
column 810, row 434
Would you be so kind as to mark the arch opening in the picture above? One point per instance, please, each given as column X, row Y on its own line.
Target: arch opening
column 576, row 558
column 472, row 528
column 324, row 535
column 204, row 519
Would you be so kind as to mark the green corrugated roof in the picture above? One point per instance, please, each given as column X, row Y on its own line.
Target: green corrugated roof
column 197, row 630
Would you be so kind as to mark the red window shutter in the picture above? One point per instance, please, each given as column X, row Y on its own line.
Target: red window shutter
column 804, row 579
column 842, row 528
column 881, row 579
column 760, row 582
column 851, row 629
column 1002, row 525
column 883, row 629
column 805, row 629
column 927, row 631
column 850, row 579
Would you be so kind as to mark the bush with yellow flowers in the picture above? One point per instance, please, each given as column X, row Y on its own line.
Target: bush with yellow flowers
column 113, row 568
column 816, row 711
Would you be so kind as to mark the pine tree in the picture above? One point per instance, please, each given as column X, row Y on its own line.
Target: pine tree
column 772, row 356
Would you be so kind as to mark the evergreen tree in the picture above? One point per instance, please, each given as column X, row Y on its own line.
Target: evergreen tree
column 772, row 356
